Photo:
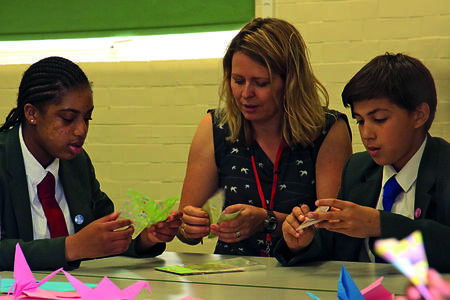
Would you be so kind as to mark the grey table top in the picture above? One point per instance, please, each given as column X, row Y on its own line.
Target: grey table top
column 268, row 281
column 317, row 276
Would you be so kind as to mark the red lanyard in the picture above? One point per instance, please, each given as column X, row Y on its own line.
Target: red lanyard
column 274, row 183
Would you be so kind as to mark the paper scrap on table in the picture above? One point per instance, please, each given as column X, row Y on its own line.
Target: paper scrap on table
column 408, row 256
column 347, row 289
column 312, row 296
column 26, row 287
column 237, row 264
column 310, row 222
column 7, row 283
column 144, row 212
column 214, row 207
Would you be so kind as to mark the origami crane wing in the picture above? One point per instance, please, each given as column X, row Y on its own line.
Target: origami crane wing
column 106, row 289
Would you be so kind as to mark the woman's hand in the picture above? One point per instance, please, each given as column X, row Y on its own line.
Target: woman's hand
column 296, row 239
column 248, row 222
column 195, row 223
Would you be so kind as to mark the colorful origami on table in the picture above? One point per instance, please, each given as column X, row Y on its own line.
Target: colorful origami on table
column 144, row 212
column 408, row 256
column 26, row 287
column 106, row 289
column 376, row 291
column 347, row 289
column 214, row 207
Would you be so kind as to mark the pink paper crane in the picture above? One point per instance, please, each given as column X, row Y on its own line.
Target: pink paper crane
column 106, row 289
column 26, row 287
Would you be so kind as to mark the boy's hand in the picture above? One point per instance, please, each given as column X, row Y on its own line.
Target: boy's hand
column 297, row 240
column 100, row 238
column 348, row 218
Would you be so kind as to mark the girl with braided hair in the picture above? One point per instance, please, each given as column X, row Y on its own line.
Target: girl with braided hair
column 50, row 200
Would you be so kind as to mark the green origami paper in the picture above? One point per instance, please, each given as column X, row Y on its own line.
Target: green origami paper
column 237, row 264
column 144, row 212
column 214, row 207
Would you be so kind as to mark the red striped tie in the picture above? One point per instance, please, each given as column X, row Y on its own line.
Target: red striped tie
column 53, row 213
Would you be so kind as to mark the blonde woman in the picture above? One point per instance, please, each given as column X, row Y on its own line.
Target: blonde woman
column 271, row 145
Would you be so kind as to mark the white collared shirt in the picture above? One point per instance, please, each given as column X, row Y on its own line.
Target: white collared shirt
column 406, row 178
column 35, row 174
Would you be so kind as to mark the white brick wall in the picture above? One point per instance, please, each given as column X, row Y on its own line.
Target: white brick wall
column 343, row 35
column 146, row 112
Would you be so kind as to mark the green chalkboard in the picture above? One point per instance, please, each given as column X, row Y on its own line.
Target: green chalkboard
column 56, row 19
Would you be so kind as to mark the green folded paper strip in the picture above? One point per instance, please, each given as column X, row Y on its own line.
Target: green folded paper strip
column 144, row 212
column 214, row 207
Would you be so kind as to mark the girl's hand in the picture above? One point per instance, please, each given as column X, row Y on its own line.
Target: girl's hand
column 103, row 237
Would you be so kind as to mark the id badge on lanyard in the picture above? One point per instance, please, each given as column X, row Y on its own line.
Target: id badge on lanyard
column 266, row 252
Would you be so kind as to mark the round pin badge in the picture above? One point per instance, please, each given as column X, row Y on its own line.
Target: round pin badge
column 417, row 213
column 79, row 219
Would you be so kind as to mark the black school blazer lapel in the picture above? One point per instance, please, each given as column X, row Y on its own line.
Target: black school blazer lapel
column 77, row 189
column 426, row 176
column 18, row 187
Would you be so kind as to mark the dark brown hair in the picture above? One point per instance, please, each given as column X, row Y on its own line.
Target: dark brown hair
column 43, row 82
column 402, row 79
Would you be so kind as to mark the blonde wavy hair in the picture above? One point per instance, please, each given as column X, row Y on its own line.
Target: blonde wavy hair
column 277, row 45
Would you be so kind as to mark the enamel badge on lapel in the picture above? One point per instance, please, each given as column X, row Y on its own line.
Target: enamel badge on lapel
column 417, row 213
column 79, row 219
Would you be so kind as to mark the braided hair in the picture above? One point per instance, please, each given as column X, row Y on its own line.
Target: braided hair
column 44, row 81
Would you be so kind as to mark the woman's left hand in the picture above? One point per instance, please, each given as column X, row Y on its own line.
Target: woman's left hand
column 248, row 222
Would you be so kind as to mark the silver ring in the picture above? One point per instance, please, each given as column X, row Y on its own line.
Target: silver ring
column 238, row 234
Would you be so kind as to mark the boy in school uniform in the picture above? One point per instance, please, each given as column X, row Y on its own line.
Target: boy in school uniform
column 50, row 200
column 399, row 185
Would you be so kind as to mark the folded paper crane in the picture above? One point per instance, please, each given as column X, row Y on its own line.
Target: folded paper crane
column 143, row 211
column 408, row 256
column 26, row 287
column 347, row 289
column 106, row 289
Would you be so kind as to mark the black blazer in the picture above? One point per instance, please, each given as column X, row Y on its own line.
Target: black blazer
column 361, row 184
column 83, row 194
